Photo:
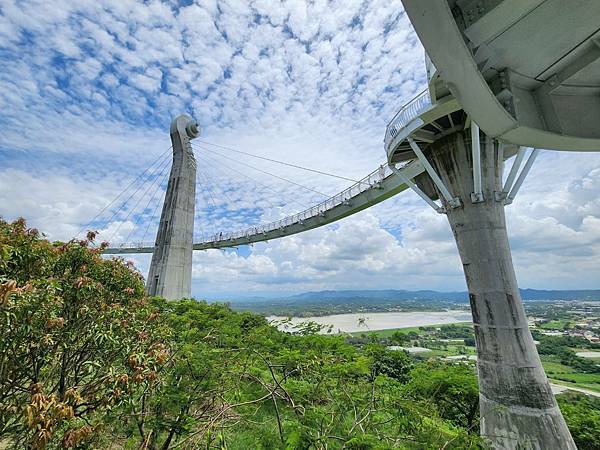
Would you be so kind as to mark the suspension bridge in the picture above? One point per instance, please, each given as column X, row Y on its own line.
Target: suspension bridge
column 495, row 88
column 376, row 187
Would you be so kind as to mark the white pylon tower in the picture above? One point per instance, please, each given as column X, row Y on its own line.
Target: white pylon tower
column 526, row 73
column 517, row 406
column 170, row 274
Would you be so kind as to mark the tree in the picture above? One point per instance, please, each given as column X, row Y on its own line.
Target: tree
column 392, row 363
column 400, row 337
column 582, row 414
column 469, row 342
column 76, row 334
column 451, row 388
column 87, row 361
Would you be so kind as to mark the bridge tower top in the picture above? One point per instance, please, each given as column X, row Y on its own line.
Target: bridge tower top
column 185, row 126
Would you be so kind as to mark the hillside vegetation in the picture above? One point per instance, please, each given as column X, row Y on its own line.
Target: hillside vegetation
column 88, row 361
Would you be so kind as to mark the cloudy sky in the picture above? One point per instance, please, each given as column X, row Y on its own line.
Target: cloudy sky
column 88, row 89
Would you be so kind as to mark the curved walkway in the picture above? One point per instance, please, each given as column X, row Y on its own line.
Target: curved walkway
column 376, row 187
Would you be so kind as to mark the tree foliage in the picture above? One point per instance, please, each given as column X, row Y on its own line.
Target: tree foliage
column 77, row 332
column 582, row 413
column 88, row 361
column 450, row 389
column 560, row 347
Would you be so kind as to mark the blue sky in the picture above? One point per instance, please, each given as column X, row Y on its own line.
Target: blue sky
column 88, row 89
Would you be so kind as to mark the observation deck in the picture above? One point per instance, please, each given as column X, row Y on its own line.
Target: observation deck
column 526, row 71
column 423, row 121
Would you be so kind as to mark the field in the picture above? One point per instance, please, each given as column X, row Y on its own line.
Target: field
column 592, row 386
column 558, row 324
column 561, row 374
column 405, row 330
column 432, row 337
column 552, row 368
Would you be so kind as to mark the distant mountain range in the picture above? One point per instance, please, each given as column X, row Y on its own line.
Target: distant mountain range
column 422, row 295
column 360, row 301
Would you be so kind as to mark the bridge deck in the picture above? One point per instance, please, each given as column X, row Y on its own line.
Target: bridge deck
column 376, row 187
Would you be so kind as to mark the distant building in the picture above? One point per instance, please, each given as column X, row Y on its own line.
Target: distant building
column 409, row 349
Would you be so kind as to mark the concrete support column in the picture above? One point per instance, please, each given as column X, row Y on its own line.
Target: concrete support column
column 518, row 409
column 170, row 273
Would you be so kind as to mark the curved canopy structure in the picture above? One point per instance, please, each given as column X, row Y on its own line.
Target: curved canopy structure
column 527, row 71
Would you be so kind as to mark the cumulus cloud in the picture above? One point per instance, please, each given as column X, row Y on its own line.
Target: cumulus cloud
column 88, row 89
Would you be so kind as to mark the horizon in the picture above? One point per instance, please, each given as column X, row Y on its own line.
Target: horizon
column 290, row 295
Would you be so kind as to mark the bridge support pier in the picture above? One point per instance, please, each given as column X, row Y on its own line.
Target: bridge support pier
column 170, row 273
column 518, row 409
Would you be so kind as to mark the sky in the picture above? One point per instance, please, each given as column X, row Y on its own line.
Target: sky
column 88, row 90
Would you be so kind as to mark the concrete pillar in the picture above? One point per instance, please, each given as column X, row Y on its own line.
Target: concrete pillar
column 518, row 409
column 170, row 273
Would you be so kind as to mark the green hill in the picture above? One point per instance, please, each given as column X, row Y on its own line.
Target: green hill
column 88, row 361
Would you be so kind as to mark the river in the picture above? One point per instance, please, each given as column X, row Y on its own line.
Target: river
column 385, row 320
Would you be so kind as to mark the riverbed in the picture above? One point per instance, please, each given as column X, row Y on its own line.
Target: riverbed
column 350, row 323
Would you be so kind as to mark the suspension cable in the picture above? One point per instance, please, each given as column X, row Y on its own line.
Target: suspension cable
column 207, row 200
column 215, row 162
column 160, row 158
column 198, row 198
column 279, row 162
column 256, row 219
column 265, row 172
column 213, row 195
column 157, row 171
column 209, row 189
column 198, row 216
column 152, row 197
column 207, row 180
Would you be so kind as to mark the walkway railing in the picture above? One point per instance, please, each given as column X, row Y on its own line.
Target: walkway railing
column 368, row 182
column 408, row 112
column 371, row 181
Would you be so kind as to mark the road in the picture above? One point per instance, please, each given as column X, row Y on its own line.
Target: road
column 559, row 388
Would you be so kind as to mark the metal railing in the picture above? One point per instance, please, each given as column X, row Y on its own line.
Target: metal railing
column 370, row 181
column 408, row 112
column 133, row 245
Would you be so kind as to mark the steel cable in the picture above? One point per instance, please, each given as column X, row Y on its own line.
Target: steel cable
column 279, row 162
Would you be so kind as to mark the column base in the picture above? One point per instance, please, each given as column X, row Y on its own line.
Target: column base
column 522, row 428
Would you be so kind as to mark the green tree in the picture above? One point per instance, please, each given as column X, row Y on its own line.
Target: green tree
column 452, row 389
column 87, row 361
column 76, row 333
column 582, row 414
column 395, row 364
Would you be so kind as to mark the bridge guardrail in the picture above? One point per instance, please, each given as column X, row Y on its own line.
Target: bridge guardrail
column 408, row 112
column 368, row 182
column 133, row 245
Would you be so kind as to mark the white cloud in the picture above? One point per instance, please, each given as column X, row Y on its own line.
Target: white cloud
column 88, row 89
